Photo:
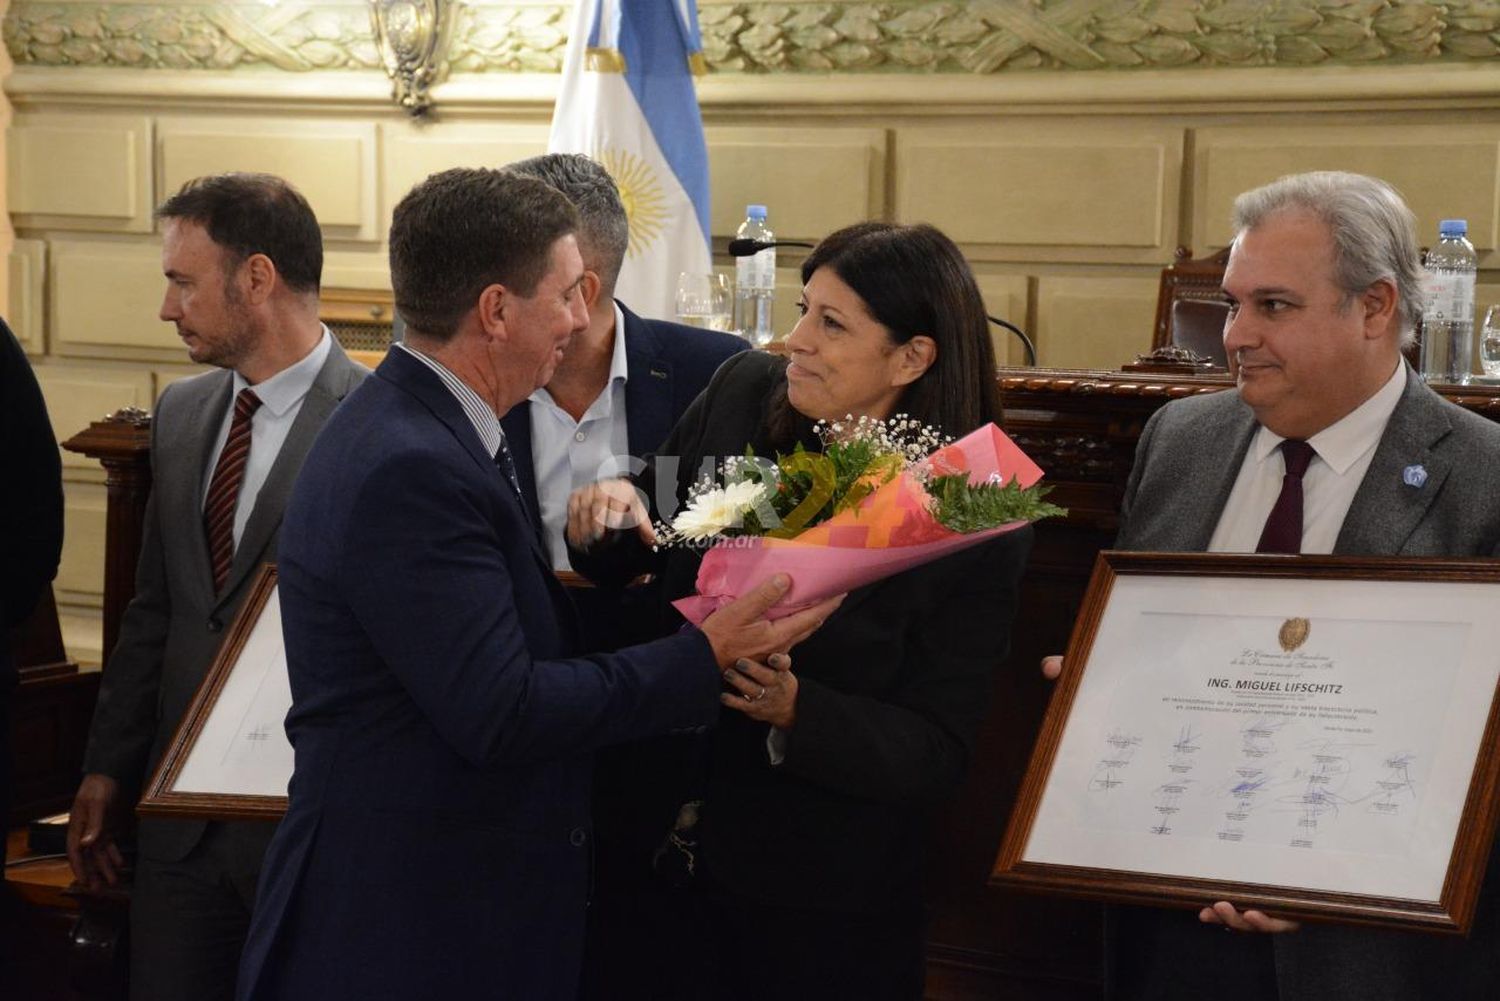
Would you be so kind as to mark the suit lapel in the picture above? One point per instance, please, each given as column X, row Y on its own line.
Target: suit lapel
column 648, row 386
column 180, row 488
column 330, row 386
column 1189, row 479
column 517, row 425
column 1386, row 510
column 416, row 378
column 1208, row 489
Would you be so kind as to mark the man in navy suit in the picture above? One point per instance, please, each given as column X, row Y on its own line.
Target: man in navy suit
column 436, row 842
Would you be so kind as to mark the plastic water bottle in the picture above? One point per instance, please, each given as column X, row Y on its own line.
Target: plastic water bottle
column 1448, row 321
column 755, row 281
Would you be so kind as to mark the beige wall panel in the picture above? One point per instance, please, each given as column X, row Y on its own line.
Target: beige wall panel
column 105, row 299
column 1100, row 191
column 77, row 396
column 1006, row 296
column 359, row 269
column 410, row 152
column 82, row 629
column 26, row 271
column 1093, row 322
column 811, row 180
column 82, row 569
column 66, row 171
column 332, row 163
column 1443, row 171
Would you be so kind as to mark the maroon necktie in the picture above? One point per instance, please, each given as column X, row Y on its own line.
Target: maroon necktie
column 224, row 488
column 1283, row 531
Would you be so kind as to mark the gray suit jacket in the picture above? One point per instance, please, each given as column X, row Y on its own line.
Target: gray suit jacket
column 172, row 628
column 1185, row 466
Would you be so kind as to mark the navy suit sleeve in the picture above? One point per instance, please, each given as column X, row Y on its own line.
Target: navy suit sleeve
column 428, row 580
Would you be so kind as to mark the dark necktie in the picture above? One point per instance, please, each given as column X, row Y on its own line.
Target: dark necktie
column 1283, row 531
column 224, row 487
column 508, row 467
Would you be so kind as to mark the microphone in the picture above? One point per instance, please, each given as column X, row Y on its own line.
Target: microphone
column 1025, row 341
column 748, row 248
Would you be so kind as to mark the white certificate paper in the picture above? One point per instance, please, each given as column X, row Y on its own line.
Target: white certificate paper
column 242, row 749
column 1222, row 731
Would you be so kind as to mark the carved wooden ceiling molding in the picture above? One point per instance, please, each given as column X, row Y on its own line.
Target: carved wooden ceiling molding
column 901, row 36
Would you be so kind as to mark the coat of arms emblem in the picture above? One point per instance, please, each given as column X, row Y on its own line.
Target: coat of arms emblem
column 1293, row 633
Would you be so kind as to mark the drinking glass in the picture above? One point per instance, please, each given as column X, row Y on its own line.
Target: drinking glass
column 704, row 300
column 1489, row 342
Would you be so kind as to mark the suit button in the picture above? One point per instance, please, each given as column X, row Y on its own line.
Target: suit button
column 577, row 837
column 214, row 625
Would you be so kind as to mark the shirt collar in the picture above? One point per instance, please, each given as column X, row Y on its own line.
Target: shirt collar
column 1342, row 443
column 480, row 414
column 618, row 366
column 286, row 388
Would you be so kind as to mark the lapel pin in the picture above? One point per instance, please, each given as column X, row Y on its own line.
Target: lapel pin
column 657, row 373
column 1414, row 476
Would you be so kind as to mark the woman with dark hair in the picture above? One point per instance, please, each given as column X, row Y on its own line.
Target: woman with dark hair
column 807, row 857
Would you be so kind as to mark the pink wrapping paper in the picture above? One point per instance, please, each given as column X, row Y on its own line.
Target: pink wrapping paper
column 888, row 532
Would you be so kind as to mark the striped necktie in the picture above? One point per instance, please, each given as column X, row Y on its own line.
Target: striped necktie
column 224, row 488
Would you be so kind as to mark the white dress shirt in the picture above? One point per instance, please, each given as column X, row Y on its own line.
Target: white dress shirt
column 1343, row 453
column 568, row 454
column 281, row 399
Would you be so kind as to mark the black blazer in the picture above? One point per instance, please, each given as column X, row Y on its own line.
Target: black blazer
column 891, row 693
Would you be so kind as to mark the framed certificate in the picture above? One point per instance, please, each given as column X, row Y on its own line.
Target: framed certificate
column 1312, row 736
column 230, row 759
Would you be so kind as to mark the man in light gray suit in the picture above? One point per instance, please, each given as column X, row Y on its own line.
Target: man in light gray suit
column 243, row 258
column 1330, row 444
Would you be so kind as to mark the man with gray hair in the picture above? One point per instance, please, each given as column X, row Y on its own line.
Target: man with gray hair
column 622, row 384
column 1330, row 445
column 611, row 397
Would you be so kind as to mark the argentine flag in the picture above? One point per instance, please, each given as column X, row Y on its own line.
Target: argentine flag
column 627, row 100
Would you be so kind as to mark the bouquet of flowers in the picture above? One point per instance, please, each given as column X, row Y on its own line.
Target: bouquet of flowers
column 881, row 497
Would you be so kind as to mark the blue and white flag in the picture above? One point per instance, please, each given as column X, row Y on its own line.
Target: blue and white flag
column 627, row 100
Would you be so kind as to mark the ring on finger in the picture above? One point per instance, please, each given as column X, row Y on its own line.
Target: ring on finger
column 757, row 696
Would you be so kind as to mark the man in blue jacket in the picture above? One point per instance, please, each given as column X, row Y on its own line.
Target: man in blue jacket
column 437, row 837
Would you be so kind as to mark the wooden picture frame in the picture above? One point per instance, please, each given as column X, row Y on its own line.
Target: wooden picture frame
column 183, row 786
column 1339, row 780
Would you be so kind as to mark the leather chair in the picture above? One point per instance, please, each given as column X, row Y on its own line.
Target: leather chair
column 1190, row 309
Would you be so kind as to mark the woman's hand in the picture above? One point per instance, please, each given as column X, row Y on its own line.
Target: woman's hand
column 764, row 692
column 607, row 506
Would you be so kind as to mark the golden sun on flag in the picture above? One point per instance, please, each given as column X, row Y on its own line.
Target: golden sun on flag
column 645, row 203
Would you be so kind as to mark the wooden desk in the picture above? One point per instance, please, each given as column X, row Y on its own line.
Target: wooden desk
column 64, row 946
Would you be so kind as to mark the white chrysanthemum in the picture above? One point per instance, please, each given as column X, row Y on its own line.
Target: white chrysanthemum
column 712, row 511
